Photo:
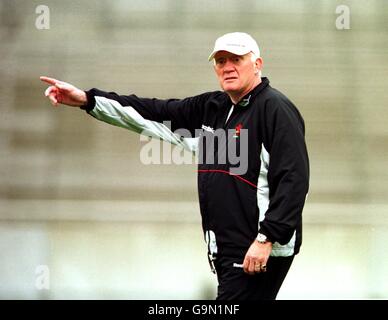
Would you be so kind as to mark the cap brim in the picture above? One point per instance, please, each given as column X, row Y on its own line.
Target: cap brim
column 238, row 51
column 212, row 55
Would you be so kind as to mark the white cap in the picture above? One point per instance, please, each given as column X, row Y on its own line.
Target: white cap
column 239, row 43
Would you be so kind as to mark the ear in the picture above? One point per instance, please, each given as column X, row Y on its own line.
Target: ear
column 258, row 64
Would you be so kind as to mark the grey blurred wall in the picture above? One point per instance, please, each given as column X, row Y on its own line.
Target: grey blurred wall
column 76, row 200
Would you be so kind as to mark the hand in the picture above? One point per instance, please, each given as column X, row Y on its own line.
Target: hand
column 257, row 255
column 65, row 93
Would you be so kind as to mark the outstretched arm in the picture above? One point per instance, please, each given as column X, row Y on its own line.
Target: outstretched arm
column 64, row 93
column 118, row 111
column 185, row 113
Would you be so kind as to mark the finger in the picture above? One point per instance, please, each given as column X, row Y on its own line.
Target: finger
column 50, row 90
column 249, row 266
column 264, row 265
column 62, row 86
column 54, row 102
column 245, row 265
column 49, row 80
column 258, row 268
column 53, row 99
column 252, row 267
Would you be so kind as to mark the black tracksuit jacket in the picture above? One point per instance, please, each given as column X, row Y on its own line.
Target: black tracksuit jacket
column 268, row 197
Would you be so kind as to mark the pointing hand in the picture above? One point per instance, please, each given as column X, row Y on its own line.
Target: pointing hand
column 63, row 92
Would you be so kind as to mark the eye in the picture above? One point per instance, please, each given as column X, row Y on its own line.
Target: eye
column 220, row 61
column 237, row 59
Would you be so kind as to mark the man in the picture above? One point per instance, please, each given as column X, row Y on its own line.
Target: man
column 252, row 221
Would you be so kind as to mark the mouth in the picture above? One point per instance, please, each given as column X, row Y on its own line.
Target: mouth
column 230, row 78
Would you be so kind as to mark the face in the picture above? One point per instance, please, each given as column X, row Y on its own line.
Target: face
column 235, row 73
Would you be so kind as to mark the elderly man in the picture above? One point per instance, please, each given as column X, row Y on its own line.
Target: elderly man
column 252, row 221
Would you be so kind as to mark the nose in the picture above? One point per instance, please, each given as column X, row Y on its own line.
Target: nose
column 228, row 66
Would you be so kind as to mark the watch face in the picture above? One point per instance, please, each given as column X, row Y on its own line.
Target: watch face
column 261, row 238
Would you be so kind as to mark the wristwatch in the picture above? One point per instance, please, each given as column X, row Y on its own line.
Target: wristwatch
column 261, row 238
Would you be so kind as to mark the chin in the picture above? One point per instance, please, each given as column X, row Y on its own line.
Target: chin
column 229, row 87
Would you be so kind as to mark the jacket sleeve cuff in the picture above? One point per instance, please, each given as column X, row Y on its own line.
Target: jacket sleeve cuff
column 265, row 233
column 91, row 101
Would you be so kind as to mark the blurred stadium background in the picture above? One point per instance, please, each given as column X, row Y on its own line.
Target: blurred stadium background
column 75, row 197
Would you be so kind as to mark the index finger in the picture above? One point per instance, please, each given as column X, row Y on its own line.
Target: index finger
column 246, row 265
column 49, row 80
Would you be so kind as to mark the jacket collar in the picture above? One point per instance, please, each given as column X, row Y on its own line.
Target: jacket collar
column 245, row 101
column 250, row 96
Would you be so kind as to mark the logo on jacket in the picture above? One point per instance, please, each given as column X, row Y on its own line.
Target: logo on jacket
column 245, row 102
column 237, row 130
